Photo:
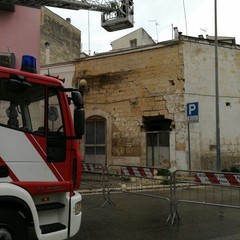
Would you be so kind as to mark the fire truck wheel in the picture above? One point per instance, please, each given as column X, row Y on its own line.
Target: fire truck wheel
column 12, row 225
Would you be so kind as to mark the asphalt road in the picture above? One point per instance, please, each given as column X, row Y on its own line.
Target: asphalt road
column 143, row 218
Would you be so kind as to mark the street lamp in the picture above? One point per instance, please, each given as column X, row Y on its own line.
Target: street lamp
column 218, row 150
column 83, row 86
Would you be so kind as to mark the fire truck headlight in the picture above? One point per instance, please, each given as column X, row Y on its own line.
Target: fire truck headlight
column 78, row 207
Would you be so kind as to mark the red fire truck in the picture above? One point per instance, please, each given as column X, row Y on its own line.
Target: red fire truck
column 40, row 161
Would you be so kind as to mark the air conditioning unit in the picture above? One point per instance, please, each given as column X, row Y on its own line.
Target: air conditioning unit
column 7, row 60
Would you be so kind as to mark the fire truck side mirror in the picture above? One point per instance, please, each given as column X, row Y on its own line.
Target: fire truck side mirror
column 79, row 122
column 79, row 114
column 77, row 99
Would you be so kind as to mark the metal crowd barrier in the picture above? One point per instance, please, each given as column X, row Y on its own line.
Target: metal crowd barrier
column 221, row 189
column 93, row 179
column 144, row 181
column 206, row 188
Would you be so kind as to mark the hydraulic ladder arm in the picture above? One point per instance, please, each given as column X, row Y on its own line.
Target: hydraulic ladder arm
column 116, row 14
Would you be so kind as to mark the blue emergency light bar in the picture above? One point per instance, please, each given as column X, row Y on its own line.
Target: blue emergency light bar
column 29, row 64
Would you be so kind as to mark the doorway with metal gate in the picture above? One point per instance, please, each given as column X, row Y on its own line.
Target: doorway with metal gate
column 157, row 140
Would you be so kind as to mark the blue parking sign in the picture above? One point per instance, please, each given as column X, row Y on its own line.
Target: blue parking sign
column 192, row 112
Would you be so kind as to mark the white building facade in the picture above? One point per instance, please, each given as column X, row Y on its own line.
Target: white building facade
column 199, row 74
column 136, row 38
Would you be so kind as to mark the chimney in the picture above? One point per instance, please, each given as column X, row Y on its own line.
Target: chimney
column 68, row 20
column 176, row 33
column 47, row 52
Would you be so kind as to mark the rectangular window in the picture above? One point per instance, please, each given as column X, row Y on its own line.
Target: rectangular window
column 133, row 42
column 100, row 132
column 95, row 138
column 55, row 121
column 56, row 141
column 90, row 133
column 22, row 106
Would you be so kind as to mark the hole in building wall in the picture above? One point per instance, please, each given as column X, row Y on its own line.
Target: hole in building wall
column 172, row 82
column 228, row 104
column 157, row 123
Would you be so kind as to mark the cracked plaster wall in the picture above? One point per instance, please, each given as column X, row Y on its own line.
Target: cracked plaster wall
column 199, row 61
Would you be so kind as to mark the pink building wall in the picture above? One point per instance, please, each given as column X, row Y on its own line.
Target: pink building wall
column 20, row 33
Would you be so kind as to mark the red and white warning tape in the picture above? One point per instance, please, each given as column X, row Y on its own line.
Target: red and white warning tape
column 91, row 167
column 226, row 179
column 137, row 171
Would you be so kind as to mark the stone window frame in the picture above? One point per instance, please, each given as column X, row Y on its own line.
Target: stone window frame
column 108, row 136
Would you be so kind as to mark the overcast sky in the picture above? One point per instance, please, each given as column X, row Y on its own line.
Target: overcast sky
column 157, row 17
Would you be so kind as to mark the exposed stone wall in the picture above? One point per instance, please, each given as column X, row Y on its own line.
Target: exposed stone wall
column 127, row 87
column 131, row 85
column 63, row 38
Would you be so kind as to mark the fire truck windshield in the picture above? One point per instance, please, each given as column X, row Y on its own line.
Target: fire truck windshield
column 23, row 107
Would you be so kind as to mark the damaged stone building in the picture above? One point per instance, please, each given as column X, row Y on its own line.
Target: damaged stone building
column 59, row 40
column 136, row 99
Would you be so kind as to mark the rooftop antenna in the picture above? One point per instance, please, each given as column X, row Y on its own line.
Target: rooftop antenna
column 156, row 25
column 204, row 30
column 185, row 16
column 89, row 48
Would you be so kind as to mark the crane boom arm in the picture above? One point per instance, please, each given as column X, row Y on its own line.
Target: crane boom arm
column 104, row 6
column 116, row 14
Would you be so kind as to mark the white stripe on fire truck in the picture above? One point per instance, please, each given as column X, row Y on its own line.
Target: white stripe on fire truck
column 22, row 161
column 44, row 154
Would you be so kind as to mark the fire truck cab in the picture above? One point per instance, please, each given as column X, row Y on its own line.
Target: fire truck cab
column 40, row 161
